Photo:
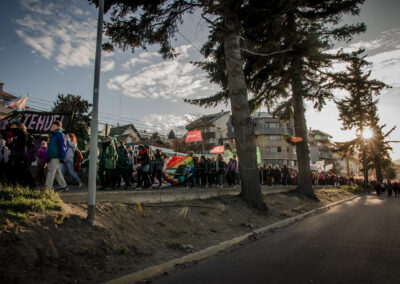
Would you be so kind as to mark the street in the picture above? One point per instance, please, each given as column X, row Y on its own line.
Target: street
column 356, row 242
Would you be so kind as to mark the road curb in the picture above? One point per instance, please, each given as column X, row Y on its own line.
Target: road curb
column 156, row 270
column 160, row 196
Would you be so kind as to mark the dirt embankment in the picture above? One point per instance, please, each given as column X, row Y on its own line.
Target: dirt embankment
column 61, row 247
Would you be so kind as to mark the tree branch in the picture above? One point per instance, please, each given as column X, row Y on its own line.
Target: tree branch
column 213, row 23
column 265, row 54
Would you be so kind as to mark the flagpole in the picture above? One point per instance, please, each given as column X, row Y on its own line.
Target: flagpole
column 95, row 117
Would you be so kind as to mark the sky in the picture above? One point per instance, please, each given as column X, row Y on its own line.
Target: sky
column 48, row 48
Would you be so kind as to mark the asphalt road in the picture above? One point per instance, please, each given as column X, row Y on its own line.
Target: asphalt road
column 356, row 242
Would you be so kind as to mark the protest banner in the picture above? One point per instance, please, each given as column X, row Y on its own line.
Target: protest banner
column 37, row 122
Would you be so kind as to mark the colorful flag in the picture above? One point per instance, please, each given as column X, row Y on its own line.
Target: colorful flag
column 18, row 103
column 218, row 150
column 194, row 136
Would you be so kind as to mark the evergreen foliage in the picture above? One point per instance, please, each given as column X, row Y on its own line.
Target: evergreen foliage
column 171, row 135
column 358, row 112
column 81, row 116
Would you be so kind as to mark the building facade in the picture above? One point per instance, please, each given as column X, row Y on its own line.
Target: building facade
column 214, row 129
column 269, row 132
column 321, row 148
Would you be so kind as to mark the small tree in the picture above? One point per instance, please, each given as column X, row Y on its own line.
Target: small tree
column 171, row 135
column 155, row 136
column 81, row 115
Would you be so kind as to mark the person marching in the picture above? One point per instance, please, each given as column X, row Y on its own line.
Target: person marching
column 68, row 164
column 56, row 151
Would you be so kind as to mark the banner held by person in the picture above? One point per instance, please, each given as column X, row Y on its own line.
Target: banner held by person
column 36, row 122
column 194, row 136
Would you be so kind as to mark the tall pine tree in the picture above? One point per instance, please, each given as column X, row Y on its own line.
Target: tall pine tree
column 139, row 23
column 358, row 112
column 287, row 55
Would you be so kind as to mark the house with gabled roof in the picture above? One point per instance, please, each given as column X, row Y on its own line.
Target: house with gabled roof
column 127, row 133
column 213, row 127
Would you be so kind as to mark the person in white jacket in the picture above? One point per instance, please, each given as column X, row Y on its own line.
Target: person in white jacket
column 68, row 164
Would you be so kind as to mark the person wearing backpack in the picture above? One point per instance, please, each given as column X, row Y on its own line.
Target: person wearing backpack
column 56, row 152
column 69, row 160
column 158, row 166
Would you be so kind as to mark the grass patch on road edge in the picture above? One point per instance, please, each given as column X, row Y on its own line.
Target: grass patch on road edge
column 16, row 201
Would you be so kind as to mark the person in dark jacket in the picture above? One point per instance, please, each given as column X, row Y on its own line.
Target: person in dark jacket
column 232, row 171
column 158, row 166
column 56, row 151
column 19, row 158
column 144, row 162
column 220, row 168
column 130, row 162
column 277, row 175
column 285, row 175
column 204, row 168
column 270, row 174
column 122, row 165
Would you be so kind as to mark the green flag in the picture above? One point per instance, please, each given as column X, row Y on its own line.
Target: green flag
column 258, row 155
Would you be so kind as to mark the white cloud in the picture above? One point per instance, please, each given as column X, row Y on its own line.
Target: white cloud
column 107, row 65
column 166, row 122
column 386, row 66
column 142, row 58
column 35, row 6
column 168, row 79
column 131, row 62
column 60, row 31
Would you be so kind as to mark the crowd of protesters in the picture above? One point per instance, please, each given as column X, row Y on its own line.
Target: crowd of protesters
column 58, row 157
column 54, row 156
column 274, row 175
column 215, row 171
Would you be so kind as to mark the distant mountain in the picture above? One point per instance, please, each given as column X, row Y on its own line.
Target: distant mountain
column 397, row 162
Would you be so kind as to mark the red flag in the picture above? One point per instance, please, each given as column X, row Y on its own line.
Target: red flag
column 194, row 136
column 295, row 139
column 218, row 150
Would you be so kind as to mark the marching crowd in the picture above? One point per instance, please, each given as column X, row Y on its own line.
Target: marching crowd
column 58, row 157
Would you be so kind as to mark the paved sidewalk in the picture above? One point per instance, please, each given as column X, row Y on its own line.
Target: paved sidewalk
column 166, row 194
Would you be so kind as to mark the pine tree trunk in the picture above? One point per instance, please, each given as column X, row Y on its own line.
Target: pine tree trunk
column 241, row 119
column 304, row 182
column 378, row 170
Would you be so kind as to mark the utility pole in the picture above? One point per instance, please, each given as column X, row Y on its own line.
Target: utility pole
column 95, row 119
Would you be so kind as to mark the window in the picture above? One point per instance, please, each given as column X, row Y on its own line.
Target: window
column 272, row 137
column 274, row 149
column 273, row 162
column 272, row 124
